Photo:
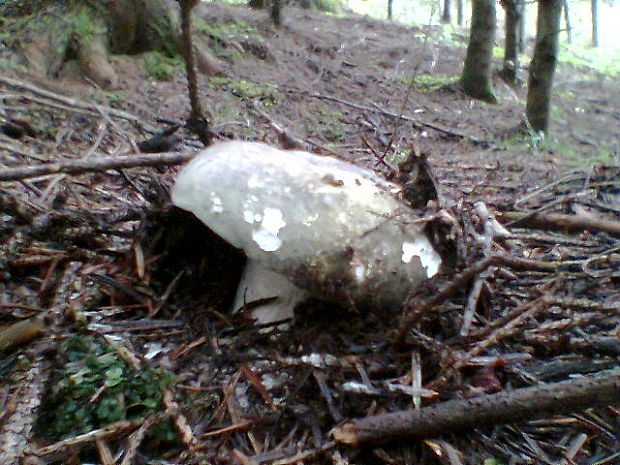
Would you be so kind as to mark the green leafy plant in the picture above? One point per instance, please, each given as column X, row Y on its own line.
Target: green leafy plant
column 96, row 387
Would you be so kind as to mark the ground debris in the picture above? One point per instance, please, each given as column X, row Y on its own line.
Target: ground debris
column 87, row 230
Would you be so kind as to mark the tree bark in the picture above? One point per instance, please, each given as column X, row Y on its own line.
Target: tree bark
column 476, row 77
column 460, row 4
column 569, row 29
column 389, row 9
column 89, row 31
column 446, row 17
column 276, row 12
column 521, row 40
column 594, row 7
column 258, row 4
column 543, row 64
column 484, row 411
column 511, row 58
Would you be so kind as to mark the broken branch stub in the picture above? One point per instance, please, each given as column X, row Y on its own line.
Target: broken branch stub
column 329, row 227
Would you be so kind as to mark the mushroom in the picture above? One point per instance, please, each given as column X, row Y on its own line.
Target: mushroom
column 310, row 225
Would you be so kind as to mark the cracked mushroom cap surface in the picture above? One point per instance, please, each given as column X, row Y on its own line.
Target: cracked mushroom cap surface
column 328, row 226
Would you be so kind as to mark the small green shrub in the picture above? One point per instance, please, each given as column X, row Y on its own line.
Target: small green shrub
column 96, row 387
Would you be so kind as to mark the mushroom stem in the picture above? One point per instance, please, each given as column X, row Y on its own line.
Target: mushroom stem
column 266, row 295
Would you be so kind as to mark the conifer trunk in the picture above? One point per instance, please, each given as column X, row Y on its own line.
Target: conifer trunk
column 594, row 8
column 446, row 17
column 511, row 57
column 476, row 77
column 543, row 64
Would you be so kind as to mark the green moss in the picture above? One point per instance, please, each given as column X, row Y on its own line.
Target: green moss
column 248, row 90
column 116, row 99
column 226, row 31
column 328, row 123
column 565, row 94
column 96, row 387
column 83, row 23
column 429, row 82
column 492, row 461
column 222, row 33
column 161, row 67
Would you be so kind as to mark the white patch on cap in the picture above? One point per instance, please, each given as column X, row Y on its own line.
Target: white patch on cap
column 255, row 181
column 310, row 219
column 422, row 248
column 216, row 202
column 267, row 236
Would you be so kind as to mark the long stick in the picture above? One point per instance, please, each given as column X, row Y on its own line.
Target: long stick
column 504, row 407
column 555, row 221
column 95, row 164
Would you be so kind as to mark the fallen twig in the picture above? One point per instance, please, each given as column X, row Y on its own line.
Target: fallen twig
column 457, row 283
column 504, row 407
column 461, row 280
column 518, row 317
column 416, row 122
column 113, row 429
column 562, row 221
column 71, row 102
column 21, row 332
column 95, row 164
column 490, row 229
column 197, row 121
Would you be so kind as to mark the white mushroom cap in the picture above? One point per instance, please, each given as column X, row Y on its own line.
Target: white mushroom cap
column 330, row 227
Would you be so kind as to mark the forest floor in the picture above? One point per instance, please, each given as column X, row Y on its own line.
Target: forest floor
column 101, row 247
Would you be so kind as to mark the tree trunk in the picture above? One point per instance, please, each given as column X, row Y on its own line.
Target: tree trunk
column 276, row 13
column 511, row 58
column 258, row 4
column 446, row 17
column 521, row 40
column 389, row 12
column 476, row 77
column 459, row 12
column 569, row 29
column 90, row 30
column 594, row 6
column 543, row 64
